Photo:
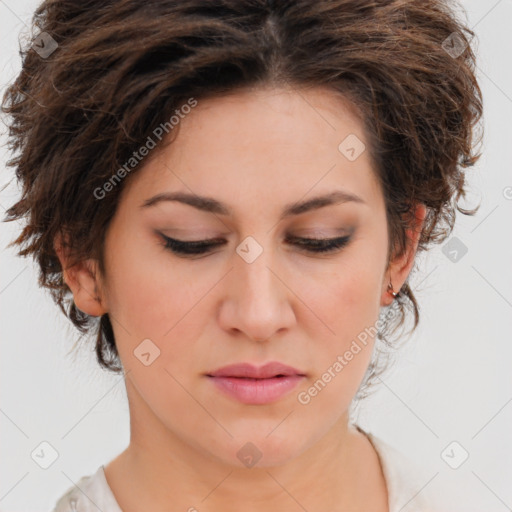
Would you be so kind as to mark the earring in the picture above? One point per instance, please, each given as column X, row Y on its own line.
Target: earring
column 390, row 290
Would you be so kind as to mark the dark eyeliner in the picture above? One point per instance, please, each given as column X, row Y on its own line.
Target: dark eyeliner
column 311, row 245
column 193, row 247
column 321, row 245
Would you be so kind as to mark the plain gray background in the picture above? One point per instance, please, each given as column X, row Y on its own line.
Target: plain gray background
column 452, row 382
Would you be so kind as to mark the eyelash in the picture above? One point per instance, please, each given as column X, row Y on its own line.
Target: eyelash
column 311, row 245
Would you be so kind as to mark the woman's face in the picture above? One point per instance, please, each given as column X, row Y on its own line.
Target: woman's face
column 259, row 296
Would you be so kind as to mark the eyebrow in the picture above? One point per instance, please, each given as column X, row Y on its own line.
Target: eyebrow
column 208, row 204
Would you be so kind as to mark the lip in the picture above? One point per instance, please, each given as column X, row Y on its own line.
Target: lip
column 256, row 372
column 256, row 385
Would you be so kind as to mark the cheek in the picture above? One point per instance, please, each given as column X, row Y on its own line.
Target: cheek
column 144, row 293
column 345, row 295
column 341, row 359
column 157, row 301
column 347, row 300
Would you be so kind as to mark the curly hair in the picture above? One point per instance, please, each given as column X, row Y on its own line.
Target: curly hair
column 120, row 68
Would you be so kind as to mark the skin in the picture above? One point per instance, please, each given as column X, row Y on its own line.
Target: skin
column 255, row 151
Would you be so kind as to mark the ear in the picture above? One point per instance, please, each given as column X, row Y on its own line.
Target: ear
column 83, row 281
column 399, row 268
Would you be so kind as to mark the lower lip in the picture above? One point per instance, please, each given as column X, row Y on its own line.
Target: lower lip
column 257, row 391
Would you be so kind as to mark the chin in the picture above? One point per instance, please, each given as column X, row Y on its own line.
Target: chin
column 259, row 450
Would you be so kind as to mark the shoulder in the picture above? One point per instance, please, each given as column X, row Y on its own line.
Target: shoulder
column 406, row 480
column 89, row 494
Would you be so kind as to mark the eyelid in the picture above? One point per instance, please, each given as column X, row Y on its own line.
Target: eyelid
column 309, row 245
column 221, row 240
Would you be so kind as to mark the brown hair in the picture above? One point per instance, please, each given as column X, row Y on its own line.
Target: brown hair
column 122, row 68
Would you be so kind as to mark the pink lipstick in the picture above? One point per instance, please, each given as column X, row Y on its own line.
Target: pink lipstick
column 256, row 385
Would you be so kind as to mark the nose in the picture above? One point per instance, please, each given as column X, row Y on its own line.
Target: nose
column 256, row 299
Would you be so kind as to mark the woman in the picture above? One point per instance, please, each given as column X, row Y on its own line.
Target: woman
column 237, row 190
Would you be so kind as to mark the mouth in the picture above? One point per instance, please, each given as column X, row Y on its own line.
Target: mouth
column 253, row 385
column 247, row 370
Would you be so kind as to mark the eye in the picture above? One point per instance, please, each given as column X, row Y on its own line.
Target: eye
column 311, row 245
column 193, row 247
column 317, row 245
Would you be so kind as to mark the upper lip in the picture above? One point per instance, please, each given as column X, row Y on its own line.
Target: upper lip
column 255, row 372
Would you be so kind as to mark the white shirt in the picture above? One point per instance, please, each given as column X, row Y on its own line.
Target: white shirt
column 404, row 481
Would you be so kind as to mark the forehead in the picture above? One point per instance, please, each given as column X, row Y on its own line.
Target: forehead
column 271, row 144
column 272, row 119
